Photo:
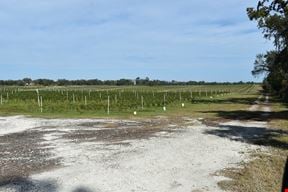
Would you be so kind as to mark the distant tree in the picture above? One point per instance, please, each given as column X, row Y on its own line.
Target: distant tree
column 120, row 82
column 21, row 83
column 44, row 82
column 27, row 81
column 63, row 82
column 124, row 82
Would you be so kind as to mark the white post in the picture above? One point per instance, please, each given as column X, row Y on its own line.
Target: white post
column 142, row 102
column 38, row 100
column 108, row 106
column 41, row 104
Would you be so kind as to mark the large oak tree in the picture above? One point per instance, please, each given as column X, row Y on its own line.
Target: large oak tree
column 272, row 19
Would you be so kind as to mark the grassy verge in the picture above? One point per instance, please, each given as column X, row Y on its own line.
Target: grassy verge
column 264, row 172
column 281, row 121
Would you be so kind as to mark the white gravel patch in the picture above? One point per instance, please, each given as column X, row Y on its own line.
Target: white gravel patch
column 184, row 161
column 16, row 124
column 256, row 124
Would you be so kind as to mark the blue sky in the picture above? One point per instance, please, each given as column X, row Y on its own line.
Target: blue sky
column 112, row 39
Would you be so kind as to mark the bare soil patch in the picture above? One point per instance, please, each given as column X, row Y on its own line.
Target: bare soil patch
column 23, row 154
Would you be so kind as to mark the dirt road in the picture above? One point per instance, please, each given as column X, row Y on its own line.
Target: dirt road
column 120, row 156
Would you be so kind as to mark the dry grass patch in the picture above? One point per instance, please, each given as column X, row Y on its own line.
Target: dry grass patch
column 263, row 173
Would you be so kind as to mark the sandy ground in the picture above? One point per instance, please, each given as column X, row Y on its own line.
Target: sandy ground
column 172, row 158
column 119, row 156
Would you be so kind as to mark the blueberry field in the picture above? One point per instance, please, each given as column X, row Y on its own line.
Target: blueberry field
column 107, row 100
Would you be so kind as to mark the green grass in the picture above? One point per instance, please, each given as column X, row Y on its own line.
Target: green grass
column 203, row 106
column 281, row 120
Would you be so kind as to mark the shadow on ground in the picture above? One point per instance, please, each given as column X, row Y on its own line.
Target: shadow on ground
column 245, row 114
column 252, row 135
column 250, row 115
column 24, row 153
column 219, row 100
column 21, row 184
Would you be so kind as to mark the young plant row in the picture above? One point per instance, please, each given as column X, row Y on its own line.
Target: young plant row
column 94, row 100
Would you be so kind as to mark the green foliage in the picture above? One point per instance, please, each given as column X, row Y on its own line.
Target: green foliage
column 87, row 99
column 272, row 19
column 120, row 82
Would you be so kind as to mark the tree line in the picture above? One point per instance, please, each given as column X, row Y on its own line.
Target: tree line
column 138, row 81
column 272, row 18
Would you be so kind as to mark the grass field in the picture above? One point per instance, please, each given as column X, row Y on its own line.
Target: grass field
column 113, row 101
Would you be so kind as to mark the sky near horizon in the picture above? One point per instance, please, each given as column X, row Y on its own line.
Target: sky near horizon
column 112, row 39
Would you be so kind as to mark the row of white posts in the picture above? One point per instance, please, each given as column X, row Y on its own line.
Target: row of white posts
column 2, row 99
column 40, row 100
